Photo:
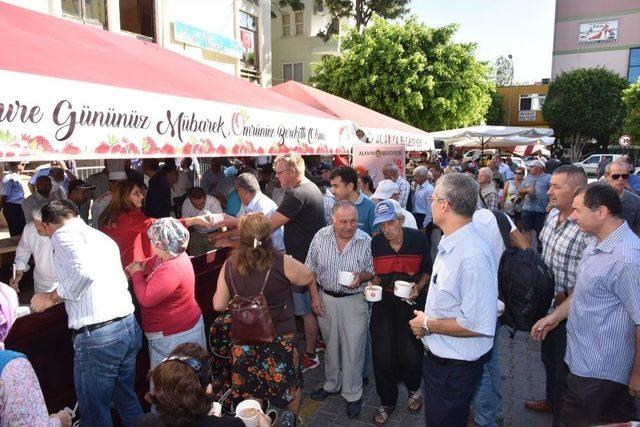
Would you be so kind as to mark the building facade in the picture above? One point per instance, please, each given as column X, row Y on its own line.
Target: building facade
column 294, row 41
column 597, row 33
column 523, row 104
column 233, row 36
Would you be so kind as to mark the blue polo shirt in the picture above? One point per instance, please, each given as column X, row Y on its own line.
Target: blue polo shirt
column 366, row 214
column 12, row 189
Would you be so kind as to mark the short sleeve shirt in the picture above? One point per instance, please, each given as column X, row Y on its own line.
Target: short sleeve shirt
column 538, row 201
column 303, row 205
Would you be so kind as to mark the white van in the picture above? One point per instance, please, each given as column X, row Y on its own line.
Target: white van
column 590, row 163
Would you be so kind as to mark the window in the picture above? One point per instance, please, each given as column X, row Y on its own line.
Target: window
column 299, row 22
column 94, row 11
column 634, row 64
column 286, row 25
column 293, row 72
column 533, row 102
column 592, row 160
column 249, row 39
column 137, row 16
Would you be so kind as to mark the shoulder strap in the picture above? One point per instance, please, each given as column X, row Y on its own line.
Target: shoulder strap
column 232, row 281
column 484, row 203
column 504, row 226
column 266, row 278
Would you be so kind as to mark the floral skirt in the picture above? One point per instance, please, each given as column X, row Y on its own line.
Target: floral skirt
column 268, row 371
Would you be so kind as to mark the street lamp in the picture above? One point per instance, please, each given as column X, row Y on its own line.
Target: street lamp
column 510, row 89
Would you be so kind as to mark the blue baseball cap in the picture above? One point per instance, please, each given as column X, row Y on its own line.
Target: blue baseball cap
column 385, row 211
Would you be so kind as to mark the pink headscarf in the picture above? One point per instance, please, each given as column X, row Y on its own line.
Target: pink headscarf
column 8, row 311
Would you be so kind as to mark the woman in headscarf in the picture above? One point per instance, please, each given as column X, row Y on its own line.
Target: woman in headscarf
column 124, row 221
column 268, row 371
column 21, row 400
column 165, row 289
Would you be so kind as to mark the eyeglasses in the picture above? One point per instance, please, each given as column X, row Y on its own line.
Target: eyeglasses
column 436, row 199
column 617, row 176
column 518, row 173
column 282, row 171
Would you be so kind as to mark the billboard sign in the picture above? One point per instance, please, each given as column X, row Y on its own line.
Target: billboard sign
column 602, row 32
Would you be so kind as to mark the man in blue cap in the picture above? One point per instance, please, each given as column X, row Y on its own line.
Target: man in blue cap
column 399, row 253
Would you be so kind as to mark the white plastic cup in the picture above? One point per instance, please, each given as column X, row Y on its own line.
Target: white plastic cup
column 373, row 293
column 345, row 278
column 248, row 404
column 216, row 409
column 500, row 308
column 402, row 289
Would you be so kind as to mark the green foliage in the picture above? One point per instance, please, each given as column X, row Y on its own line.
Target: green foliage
column 503, row 71
column 495, row 113
column 584, row 104
column 410, row 72
column 631, row 97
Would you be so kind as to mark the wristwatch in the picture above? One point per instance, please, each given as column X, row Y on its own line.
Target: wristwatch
column 425, row 325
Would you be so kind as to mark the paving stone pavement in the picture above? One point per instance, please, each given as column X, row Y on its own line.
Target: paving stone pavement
column 522, row 379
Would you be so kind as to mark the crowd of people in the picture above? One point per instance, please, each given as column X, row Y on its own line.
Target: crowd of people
column 307, row 240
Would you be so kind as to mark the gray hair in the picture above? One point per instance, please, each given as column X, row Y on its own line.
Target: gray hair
column 485, row 171
column 392, row 168
column 421, row 171
column 620, row 162
column 36, row 212
column 339, row 204
column 248, row 182
column 460, row 191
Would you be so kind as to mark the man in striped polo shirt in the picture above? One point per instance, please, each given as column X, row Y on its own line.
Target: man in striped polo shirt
column 342, row 311
column 603, row 328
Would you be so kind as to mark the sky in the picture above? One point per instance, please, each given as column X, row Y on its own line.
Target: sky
column 522, row 28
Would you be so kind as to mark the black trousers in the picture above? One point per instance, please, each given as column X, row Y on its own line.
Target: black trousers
column 591, row 401
column 449, row 389
column 15, row 218
column 552, row 355
column 396, row 353
column 419, row 219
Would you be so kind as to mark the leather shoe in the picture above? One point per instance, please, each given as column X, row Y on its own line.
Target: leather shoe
column 320, row 394
column 354, row 408
column 537, row 405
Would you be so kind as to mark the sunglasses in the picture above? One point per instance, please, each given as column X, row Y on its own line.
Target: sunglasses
column 617, row 176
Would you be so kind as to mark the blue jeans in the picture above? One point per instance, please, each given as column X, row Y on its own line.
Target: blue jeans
column 487, row 402
column 161, row 347
column 104, row 370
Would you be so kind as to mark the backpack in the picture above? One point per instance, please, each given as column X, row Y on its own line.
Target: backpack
column 525, row 284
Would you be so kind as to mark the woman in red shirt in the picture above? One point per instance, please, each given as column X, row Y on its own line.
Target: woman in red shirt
column 124, row 221
column 165, row 288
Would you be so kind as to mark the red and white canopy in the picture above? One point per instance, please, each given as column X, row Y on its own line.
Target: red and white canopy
column 379, row 128
column 72, row 90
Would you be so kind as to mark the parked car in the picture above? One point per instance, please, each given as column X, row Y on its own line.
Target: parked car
column 590, row 163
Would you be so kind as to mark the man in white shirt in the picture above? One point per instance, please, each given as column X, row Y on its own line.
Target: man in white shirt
column 199, row 203
column 106, row 335
column 422, row 197
column 34, row 241
column 459, row 319
column 253, row 200
column 392, row 172
column 388, row 190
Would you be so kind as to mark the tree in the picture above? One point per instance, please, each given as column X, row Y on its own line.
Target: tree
column 410, row 72
column 631, row 97
column 583, row 105
column 503, row 71
column 360, row 10
column 495, row 113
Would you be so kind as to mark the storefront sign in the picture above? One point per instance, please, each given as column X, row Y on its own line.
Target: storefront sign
column 184, row 33
column 43, row 117
column 592, row 33
column 527, row 116
column 412, row 142
column 372, row 157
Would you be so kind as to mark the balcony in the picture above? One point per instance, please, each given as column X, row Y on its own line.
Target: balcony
column 250, row 74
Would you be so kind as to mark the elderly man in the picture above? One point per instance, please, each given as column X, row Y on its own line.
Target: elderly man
column 422, row 198
column 35, row 242
column 617, row 175
column 604, row 309
column 344, row 184
column 392, row 172
column 253, row 200
column 106, row 335
column 341, row 309
column 301, row 212
column 534, row 189
column 459, row 318
column 199, row 203
column 388, row 190
column 488, row 195
column 43, row 194
column 398, row 254
column 562, row 246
